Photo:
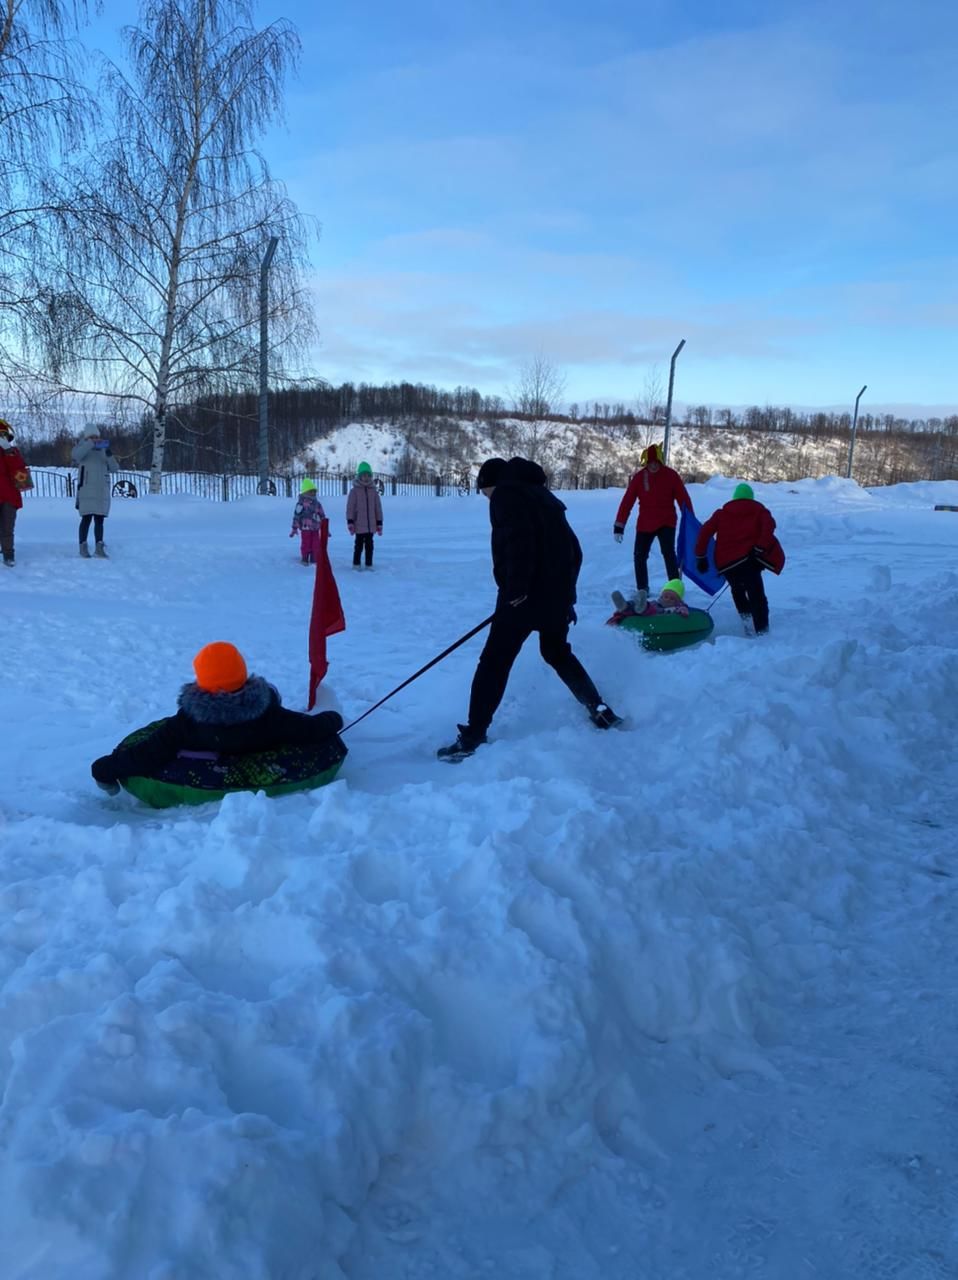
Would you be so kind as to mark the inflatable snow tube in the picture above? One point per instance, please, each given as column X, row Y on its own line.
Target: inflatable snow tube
column 204, row 776
column 664, row 632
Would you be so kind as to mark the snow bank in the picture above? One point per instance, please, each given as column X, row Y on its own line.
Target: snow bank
column 532, row 1016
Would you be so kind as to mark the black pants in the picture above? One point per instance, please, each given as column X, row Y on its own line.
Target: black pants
column 8, row 518
column 511, row 628
column 364, row 542
column 643, row 545
column 97, row 527
column 748, row 592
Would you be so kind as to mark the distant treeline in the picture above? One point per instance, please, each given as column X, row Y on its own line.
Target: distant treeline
column 221, row 433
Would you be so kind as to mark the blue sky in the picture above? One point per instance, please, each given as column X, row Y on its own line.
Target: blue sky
column 774, row 182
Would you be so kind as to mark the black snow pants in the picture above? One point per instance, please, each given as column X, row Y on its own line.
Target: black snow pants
column 364, row 542
column 748, row 592
column 643, row 545
column 510, row 629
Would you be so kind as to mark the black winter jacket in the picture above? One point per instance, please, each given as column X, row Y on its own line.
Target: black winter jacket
column 252, row 719
column 534, row 550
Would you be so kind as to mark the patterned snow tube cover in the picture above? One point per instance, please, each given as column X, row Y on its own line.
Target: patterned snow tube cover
column 201, row 776
column 665, row 632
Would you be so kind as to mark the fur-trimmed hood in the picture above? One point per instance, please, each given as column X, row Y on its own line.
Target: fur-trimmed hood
column 249, row 703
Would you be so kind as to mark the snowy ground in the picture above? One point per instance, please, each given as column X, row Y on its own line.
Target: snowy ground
column 676, row 1002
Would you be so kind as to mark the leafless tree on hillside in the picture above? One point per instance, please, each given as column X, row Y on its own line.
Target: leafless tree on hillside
column 536, row 395
column 651, row 408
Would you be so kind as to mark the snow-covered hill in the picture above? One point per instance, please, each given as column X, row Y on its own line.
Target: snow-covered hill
column 578, row 455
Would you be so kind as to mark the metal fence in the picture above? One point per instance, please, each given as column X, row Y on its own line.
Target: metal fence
column 228, row 488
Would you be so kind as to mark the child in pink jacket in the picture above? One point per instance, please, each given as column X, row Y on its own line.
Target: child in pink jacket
column 308, row 517
column 364, row 514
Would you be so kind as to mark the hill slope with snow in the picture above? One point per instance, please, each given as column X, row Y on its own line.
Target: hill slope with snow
column 579, row 455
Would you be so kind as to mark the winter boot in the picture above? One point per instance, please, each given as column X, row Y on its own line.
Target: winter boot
column 357, row 568
column 620, row 603
column 84, row 551
column 8, row 559
column 603, row 717
column 640, row 600
column 747, row 623
column 101, row 551
column 465, row 745
column 304, row 559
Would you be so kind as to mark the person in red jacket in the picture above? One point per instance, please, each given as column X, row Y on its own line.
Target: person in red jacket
column 14, row 478
column 745, row 544
column 657, row 489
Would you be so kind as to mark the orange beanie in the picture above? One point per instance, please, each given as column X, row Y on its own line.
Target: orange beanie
column 220, row 668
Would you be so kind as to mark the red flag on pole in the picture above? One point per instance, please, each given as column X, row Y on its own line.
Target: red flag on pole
column 326, row 618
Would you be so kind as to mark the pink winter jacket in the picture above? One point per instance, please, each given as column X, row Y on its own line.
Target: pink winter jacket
column 364, row 510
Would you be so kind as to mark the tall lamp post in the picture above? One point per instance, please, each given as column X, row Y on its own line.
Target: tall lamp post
column 264, row 364
column 851, row 443
column 668, row 403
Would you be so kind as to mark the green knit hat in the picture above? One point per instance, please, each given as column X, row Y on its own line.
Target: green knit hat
column 676, row 585
column 364, row 469
column 308, row 486
column 743, row 491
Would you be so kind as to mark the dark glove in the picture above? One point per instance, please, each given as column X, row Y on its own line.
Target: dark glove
column 292, row 533
column 111, row 788
column 702, row 564
column 102, row 770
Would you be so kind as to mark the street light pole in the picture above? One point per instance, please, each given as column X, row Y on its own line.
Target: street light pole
column 264, row 364
column 851, row 443
column 668, row 403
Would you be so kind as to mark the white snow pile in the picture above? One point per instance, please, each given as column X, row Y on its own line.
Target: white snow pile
column 672, row 1002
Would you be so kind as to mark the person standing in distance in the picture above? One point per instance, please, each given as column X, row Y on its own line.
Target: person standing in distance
column 536, row 559
column 364, row 514
column 14, row 480
column 658, row 490
column 97, row 464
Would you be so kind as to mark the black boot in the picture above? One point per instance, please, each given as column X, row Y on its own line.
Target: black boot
column 603, row 717
column 465, row 745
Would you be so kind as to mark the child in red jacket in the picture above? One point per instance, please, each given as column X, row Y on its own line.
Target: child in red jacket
column 657, row 489
column 745, row 544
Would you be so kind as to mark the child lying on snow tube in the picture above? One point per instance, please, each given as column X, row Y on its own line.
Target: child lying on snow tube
column 231, row 733
column 663, row 624
column 671, row 600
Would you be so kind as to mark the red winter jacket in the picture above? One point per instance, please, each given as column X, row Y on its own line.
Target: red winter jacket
column 739, row 528
column 656, row 493
column 13, row 475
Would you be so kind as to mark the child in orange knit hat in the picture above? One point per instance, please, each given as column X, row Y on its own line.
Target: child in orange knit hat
column 224, row 710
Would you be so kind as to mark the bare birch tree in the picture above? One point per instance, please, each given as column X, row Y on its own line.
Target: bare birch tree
column 162, row 232
column 536, row 395
column 651, row 408
column 43, row 109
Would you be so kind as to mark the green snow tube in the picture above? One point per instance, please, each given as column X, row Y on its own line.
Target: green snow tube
column 203, row 776
column 663, row 632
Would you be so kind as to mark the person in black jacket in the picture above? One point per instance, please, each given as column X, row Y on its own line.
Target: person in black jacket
column 224, row 710
column 536, row 559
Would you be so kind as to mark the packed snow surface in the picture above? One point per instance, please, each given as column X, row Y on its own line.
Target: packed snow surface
column 677, row 1001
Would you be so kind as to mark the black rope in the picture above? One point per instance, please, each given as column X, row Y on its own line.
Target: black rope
column 422, row 670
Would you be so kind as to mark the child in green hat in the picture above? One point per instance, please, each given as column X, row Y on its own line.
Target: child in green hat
column 308, row 517
column 364, row 515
